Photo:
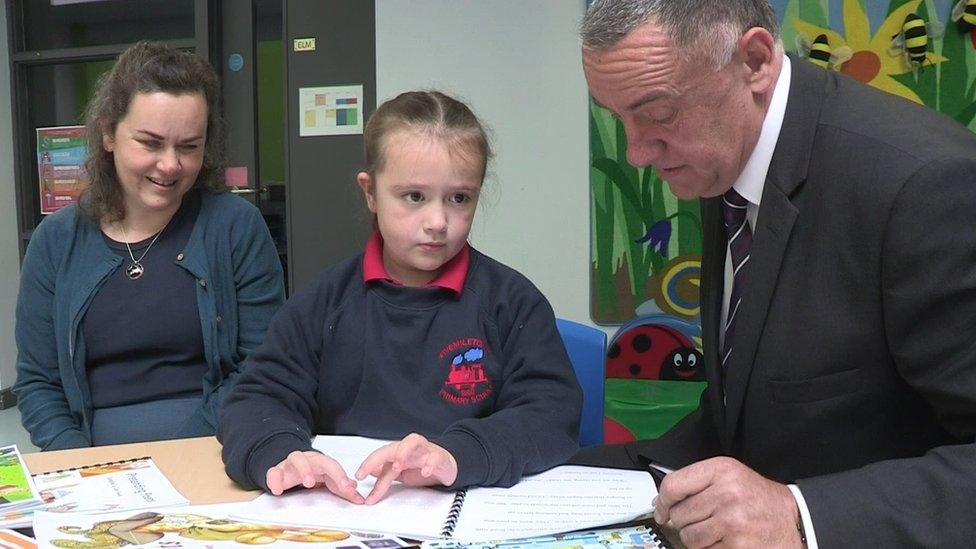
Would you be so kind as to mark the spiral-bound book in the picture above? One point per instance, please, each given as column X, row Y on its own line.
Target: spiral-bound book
column 562, row 499
column 646, row 535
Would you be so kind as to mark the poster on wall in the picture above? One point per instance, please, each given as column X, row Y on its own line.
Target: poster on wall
column 330, row 110
column 60, row 166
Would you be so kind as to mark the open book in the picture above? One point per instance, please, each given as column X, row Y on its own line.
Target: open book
column 562, row 499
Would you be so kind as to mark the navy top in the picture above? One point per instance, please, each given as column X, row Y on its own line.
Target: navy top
column 145, row 334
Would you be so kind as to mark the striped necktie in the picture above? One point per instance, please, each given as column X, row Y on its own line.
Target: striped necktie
column 740, row 239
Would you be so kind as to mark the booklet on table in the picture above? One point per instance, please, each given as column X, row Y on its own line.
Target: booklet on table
column 562, row 499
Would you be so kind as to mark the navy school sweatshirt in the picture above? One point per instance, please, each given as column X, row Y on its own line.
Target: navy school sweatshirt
column 482, row 373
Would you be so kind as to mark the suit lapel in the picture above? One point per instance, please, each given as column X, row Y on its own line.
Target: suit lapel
column 777, row 214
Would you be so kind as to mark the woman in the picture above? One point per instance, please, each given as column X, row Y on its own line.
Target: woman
column 138, row 307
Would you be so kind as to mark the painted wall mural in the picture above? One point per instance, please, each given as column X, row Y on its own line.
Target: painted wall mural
column 646, row 243
column 922, row 50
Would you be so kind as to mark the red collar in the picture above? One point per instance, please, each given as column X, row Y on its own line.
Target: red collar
column 452, row 275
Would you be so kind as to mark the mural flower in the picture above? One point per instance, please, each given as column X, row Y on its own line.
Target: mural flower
column 870, row 61
column 658, row 237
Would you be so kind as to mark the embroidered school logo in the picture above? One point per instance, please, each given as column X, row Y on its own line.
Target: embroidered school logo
column 466, row 381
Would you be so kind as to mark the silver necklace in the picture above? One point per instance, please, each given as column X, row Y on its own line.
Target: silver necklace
column 135, row 269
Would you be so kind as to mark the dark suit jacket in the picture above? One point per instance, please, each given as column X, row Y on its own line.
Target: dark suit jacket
column 854, row 369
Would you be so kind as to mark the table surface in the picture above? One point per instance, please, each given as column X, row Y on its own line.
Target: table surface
column 193, row 465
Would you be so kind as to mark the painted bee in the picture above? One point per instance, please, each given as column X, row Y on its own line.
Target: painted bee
column 819, row 53
column 964, row 14
column 912, row 40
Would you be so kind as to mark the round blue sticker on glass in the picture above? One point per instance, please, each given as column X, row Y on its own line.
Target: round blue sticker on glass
column 235, row 62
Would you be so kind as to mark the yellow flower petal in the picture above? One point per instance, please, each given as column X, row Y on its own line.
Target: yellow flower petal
column 893, row 64
column 890, row 85
column 856, row 25
column 899, row 65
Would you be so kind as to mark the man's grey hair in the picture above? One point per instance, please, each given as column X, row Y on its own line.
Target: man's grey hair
column 698, row 28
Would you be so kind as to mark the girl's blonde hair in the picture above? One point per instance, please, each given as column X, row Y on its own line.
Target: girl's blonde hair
column 427, row 112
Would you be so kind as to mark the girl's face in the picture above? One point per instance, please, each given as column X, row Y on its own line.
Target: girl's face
column 424, row 199
column 158, row 150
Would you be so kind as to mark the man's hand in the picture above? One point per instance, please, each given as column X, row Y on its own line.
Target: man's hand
column 414, row 460
column 311, row 469
column 721, row 502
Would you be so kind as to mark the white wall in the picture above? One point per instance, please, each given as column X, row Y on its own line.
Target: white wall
column 9, row 253
column 517, row 64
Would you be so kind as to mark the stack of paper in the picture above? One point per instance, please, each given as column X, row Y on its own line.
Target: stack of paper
column 125, row 485
column 17, row 491
column 10, row 539
column 204, row 526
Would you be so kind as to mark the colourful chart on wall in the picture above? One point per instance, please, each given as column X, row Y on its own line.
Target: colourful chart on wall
column 330, row 110
column 60, row 166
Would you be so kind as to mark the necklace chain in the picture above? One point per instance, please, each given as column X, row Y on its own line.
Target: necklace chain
column 135, row 269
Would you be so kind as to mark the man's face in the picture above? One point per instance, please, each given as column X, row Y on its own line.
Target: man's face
column 694, row 125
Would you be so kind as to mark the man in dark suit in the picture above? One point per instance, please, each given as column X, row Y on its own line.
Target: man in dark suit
column 839, row 284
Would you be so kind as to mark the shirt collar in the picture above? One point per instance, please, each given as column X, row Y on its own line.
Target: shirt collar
column 452, row 275
column 753, row 177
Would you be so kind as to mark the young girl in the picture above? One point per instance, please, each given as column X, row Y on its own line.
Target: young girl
column 420, row 338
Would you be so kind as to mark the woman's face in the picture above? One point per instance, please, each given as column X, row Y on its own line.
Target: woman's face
column 158, row 150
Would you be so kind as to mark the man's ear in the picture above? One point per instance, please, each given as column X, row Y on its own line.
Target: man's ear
column 758, row 49
column 368, row 186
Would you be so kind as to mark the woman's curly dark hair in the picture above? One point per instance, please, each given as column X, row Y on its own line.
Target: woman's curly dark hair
column 147, row 67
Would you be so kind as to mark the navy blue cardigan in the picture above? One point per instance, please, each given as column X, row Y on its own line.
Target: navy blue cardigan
column 240, row 286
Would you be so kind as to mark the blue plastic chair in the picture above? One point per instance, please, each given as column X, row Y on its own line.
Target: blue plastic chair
column 587, row 351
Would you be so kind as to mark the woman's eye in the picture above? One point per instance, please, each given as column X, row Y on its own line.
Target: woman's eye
column 189, row 148
column 150, row 144
column 413, row 197
column 459, row 198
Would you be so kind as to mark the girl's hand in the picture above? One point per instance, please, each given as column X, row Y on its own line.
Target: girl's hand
column 311, row 469
column 414, row 461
